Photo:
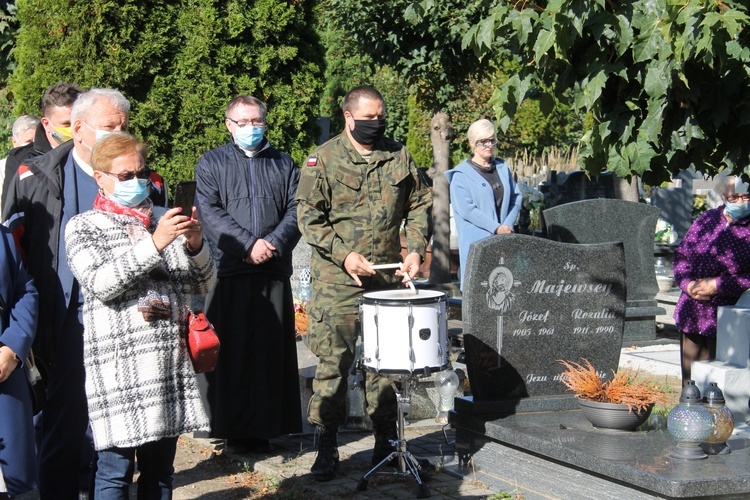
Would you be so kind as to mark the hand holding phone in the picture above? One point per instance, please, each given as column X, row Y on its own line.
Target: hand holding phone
column 184, row 197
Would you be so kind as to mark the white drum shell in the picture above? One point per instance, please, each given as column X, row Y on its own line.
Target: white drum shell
column 390, row 345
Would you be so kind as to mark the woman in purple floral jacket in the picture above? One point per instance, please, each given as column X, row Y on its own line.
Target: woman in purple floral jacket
column 712, row 268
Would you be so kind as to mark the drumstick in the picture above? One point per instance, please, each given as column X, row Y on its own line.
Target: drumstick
column 386, row 266
column 410, row 283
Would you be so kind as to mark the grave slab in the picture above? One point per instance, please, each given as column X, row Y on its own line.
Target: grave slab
column 639, row 459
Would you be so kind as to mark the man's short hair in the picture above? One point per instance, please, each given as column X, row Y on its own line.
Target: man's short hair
column 247, row 100
column 24, row 123
column 352, row 98
column 87, row 99
column 113, row 146
column 61, row 94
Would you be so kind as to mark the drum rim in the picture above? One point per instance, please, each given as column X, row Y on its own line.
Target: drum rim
column 406, row 371
column 364, row 299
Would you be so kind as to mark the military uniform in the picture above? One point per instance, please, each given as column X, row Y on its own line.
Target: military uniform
column 349, row 204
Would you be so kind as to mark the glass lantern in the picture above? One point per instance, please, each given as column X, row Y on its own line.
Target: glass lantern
column 689, row 423
column 446, row 383
column 722, row 421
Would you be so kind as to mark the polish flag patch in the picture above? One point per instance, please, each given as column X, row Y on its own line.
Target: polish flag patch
column 24, row 171
column 312, row 161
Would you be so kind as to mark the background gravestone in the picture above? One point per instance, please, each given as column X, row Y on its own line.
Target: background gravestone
column 561, row 187
column 605, row 220
column 529, row 301
column 301, row 256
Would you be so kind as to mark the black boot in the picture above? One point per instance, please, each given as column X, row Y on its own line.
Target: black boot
column 327, row 461
column 385, row 434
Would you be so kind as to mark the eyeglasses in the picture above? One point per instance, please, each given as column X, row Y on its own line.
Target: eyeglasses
column 143, row 173
column 487, row 143
column 256, row 122
column 734, row 198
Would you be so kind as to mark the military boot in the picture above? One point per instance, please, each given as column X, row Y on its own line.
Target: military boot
column 385, row 434
column 327, row 460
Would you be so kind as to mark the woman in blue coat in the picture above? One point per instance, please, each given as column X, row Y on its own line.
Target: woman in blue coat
column 18, row 301
column 485, row 198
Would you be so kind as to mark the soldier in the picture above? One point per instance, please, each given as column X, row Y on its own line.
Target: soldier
column 354, row 193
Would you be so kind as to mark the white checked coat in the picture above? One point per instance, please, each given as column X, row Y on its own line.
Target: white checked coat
column 140, row 383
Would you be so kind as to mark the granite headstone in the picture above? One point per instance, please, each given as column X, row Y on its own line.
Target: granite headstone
column 301, row 256
column 606, row 220
column 561, row 188
column 676, row 206
column 528, row 302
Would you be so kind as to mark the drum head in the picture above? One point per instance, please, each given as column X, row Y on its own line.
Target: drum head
column 403, row 296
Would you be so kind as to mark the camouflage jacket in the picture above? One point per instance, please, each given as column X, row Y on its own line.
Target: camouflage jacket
column 349, row 205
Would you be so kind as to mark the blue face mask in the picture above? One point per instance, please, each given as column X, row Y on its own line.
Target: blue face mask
column 249, row 137
column 737, row 211
column 130, row 193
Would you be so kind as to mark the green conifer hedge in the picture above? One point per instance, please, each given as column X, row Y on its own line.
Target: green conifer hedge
column 179, row 62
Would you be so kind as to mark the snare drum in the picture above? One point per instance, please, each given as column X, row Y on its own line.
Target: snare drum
column 403, row 333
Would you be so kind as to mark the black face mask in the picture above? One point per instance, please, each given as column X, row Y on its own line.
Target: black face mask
column 368, row 132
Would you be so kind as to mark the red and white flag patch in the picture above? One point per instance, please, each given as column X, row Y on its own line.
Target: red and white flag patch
column 312, row 161
column 24, row 171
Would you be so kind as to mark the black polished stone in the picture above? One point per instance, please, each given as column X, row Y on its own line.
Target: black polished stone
column 606, row 220
column 640, row 459
column 528, row 302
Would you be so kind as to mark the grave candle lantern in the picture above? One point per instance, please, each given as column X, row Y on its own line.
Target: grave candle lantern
column 722, row 421
column 446, row 383
column 689, row 423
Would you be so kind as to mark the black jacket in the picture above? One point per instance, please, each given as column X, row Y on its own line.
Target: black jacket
column 18, row 155
column 241, row 199
column 32, row 210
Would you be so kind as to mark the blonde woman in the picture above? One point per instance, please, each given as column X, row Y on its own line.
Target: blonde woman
column 485, row 198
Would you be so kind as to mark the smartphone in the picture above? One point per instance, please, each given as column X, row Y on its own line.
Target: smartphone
column 184, row 196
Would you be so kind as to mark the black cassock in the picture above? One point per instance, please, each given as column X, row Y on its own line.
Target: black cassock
column 254, row 392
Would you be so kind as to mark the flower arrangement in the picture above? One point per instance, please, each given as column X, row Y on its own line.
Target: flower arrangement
column 300, row 317
column 623, row 388
column 665, row 233
column 700, row 205
column 532, row 203
column 532, row 198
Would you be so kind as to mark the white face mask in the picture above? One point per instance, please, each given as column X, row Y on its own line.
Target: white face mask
column 99, row 134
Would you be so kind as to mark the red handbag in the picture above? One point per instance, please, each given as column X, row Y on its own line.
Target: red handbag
column 202, row 343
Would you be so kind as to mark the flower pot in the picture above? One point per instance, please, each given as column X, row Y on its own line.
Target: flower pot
column 612, row 415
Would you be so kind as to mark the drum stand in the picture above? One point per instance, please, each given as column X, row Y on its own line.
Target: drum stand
column 407, row 464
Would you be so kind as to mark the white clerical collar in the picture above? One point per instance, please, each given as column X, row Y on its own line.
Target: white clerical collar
column 84, row 166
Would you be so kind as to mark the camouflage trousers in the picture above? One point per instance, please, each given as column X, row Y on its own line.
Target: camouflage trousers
column 332, row 336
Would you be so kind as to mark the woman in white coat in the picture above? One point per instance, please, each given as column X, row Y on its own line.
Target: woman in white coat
column 136, row 272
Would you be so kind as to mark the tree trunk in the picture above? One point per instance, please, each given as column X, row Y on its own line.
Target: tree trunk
column 625, row 190
column 441, row 134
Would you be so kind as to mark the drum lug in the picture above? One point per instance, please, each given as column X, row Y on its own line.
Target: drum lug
column 440, row 350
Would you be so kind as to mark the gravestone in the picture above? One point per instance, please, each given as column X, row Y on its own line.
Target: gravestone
column 561, row 188
column 605, row 220
column 528, row 302
column 676, row 207
column 731, row 367
column 301, row 256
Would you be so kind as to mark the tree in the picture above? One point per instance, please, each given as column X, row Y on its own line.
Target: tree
column 179, row 63
column 422, row 41
column 8, row 30
column 667, row 82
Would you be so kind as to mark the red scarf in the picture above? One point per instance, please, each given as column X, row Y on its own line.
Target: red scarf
column 142, row 212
